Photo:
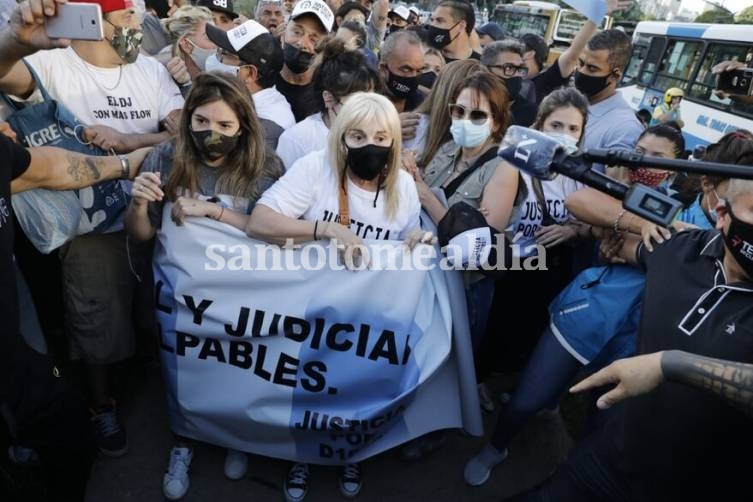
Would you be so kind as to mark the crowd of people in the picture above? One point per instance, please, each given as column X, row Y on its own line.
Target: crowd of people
column 355, row 121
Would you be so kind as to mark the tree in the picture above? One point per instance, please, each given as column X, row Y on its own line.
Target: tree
column 717, row 16
column 745, row 16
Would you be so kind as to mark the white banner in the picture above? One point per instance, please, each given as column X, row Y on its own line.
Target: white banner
column 321, row 366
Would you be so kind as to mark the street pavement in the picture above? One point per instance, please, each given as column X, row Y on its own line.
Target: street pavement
column 137, row 477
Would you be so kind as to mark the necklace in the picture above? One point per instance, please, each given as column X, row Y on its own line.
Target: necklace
column 95, row 78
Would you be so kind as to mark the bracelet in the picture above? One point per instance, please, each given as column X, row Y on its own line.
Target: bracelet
column 616, row 226
column 125, row 167
column 316, row 224
column 222, row 211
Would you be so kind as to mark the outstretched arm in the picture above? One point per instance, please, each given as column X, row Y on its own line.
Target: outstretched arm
column 729, row 380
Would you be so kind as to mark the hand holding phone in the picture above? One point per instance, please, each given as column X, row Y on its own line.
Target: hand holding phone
column 76, row 21
column 27, row 23
column 738, row 82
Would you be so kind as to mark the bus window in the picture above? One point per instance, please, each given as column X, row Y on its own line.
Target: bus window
column 653, row 56
column 677, row 63
column 640, row 49
column 705, row 82
column 518, row 23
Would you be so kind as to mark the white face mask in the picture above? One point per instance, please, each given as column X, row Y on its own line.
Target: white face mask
column 214, row 64
column 469, row 135
column 200, row 55
column 712, row 209
column 569, row 143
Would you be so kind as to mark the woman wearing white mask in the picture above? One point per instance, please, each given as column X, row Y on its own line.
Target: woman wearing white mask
column 187, row 30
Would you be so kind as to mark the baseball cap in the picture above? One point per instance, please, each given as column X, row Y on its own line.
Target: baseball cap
column 110, row 5
column 539, row 47
column 225, row 6
column 415, row 10
column 316, row 7
column 492, row 30
column 402, row 11
column 252, row 42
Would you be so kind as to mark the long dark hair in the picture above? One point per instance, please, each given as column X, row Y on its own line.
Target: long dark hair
column 564, row 97
column 245, row 165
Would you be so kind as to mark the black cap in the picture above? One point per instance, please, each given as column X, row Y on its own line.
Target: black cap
column 539, row 47
column 225, row 6
column 252, row 42
column 493, row 30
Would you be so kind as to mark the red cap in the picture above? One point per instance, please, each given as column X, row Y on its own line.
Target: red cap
column 110, row 5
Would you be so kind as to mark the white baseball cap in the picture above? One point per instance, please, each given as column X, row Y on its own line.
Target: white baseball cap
column 402, row 11
column 320, row 9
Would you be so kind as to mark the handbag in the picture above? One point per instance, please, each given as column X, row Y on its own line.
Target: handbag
column 50, row 218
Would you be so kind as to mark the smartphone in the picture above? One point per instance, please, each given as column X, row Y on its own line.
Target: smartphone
column 76, row 21
column 738, row 82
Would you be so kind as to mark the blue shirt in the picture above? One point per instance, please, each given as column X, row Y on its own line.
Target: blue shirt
column 611, row 124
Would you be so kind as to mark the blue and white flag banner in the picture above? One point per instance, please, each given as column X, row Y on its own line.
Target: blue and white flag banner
column 594, row 10
column 320, row 366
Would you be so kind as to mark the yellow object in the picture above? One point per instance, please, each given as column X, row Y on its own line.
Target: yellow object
column 672, row 92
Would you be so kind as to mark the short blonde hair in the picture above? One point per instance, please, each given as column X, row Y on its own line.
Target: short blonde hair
column 738, row 187
column 185, row 20
column 368, row 107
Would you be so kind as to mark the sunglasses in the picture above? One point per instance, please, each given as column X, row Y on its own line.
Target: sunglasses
column 460, row 112
column 510, row 70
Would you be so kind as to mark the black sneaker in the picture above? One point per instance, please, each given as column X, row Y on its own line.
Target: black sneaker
column 297, row 483
column 109, row 432
column 350, row 480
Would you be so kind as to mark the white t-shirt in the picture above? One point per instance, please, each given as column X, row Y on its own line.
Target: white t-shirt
column 309, row 191
column 272, row 105
column 526, row 220
column 132, row 98
column 308, row 135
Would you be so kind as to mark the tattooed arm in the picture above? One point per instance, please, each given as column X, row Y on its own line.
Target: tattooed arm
column 58, row 169
column 729, row 380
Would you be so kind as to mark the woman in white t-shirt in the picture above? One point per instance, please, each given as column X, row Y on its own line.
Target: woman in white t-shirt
column 339, row 73
column 361, row 165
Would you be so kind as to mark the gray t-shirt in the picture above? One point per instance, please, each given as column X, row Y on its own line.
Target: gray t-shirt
column 160, row 160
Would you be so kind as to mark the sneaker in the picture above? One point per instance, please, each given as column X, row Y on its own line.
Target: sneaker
column 423, row 446
column 175, row 481
column 350, row 480
column 109, row 432
column 479, row 468
column 20, row 455
column 236, row 464
column 484, row 399
column 297, row 483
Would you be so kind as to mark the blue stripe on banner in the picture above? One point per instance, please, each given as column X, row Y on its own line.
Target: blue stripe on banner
column 692, row 141
column 686, row 31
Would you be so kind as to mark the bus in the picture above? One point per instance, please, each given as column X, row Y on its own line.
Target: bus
column 681, row 55
column 557, row 26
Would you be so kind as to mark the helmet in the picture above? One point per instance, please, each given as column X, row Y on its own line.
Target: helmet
column 672, row 92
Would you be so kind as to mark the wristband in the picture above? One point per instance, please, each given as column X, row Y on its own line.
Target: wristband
column 125, row 167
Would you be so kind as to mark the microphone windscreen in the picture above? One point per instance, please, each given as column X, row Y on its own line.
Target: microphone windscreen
column 530, row 150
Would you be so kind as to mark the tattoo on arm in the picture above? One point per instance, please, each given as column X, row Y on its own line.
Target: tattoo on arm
column 731, row 381
column 83, row 169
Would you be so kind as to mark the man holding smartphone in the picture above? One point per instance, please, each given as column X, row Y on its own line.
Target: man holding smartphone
column 123, row 97
column 730, row 66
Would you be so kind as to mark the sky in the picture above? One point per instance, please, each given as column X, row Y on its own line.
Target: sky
column 733, row 5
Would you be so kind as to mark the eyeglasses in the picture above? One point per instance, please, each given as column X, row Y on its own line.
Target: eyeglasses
column 510, row 70
column 460, row 112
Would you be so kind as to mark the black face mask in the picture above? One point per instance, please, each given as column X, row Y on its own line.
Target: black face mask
column 427, row 79
column 367, row 161
column 590, row 86
column 394, row 28
column 214, row 145
column 401, row 87
column 739, row 240
column 439, row 38
column 296, row 60
column 513, row 87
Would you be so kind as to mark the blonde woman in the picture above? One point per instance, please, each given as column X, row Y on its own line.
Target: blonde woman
column 189, row 43
column 363, row 159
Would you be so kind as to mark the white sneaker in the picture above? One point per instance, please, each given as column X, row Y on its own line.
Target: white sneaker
column 175, row 481
column 236, row 464
column 479, row 468
column 297, row 483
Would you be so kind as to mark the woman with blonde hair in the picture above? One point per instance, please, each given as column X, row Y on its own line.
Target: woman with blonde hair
column 189, row 42
column 219, row 151
column 352, row 190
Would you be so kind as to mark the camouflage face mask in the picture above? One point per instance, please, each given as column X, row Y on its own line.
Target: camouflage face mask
column 214, row 145
column 126, row 42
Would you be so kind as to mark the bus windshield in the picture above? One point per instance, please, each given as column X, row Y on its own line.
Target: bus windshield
column 569, row 24
column 518, row 23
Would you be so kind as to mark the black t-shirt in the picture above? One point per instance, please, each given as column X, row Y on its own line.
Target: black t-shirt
column 678, row 442
column 14, row 160
column 474, row 55
column 302, row 98
column 548, row 81
column 523, row 112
